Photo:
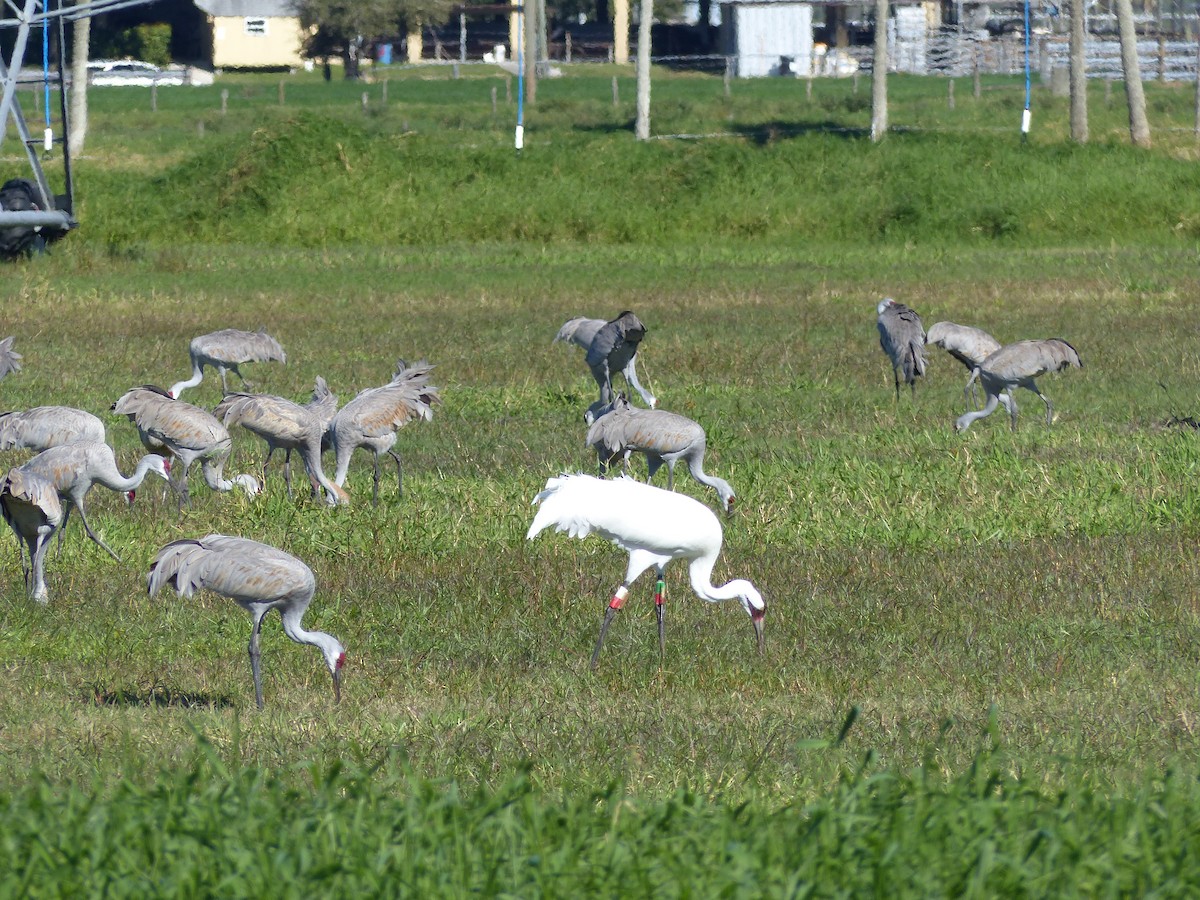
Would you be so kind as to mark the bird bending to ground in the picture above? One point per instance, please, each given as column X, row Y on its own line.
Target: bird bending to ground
column 902, row 338
column 31, row 508
column 259, row 578
column 662, row 436
column 10, row 359
column 372, row 419
column 288, row 426
column 226, row 350
column 581, row 331
column 44, row 427
column 1016, row 365
column 74, row 468
column 186, row 432
column 970, row 346
column 654, row 526
column 613, row 349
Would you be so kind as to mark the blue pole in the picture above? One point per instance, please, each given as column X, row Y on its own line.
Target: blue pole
column 46, row 68
column 519, row 140
column 1026, row 114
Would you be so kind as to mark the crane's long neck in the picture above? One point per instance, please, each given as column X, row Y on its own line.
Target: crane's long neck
column 197, row 377
column 965, row 420
column 700, row 574
column 720, row 485
column 311, row 454
column 113, row 480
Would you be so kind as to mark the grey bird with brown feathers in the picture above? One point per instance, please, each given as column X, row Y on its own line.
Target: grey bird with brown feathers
column 10, row 359
column 1017, row 365
column 969, row 345
column 226, row 350
column 664, row 437
column 581, row 331
column 372, row 419
column 287, row 426
column 43, row 427
column 613, row 349
column 32, row 509
column 902, row 338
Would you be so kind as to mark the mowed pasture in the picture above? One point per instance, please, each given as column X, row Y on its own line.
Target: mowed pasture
column 981, row 648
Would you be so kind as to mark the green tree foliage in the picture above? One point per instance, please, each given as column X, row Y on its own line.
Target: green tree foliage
column 151, row 42
column 346, row 28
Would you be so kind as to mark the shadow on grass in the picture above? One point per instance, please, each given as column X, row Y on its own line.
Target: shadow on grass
column 762, row 133
column 157, row 697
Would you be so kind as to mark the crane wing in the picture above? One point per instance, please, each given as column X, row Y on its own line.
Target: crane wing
column 10, row 360
column 244, row 570
column 233, row 346
column 1029, row 359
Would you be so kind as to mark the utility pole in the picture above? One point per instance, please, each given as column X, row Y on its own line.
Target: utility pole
column 1078, row 62
column 643, row 71
column 1139, row 128
column 879, row 102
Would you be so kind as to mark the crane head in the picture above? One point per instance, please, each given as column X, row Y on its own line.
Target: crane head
column 335, row 669
column 884, row 304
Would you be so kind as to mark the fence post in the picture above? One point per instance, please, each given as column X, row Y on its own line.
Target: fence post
column 977, row 86
column 454, row 68
column 950, row 95
column 365, row 101
column 282, row 92
column 493, row 101
column 154, row 98
column 728, row 77
column 1108, row 92
column 616, row 95
column 567, row 47
column 808, row 88
column 383, row 98
column 1196, row 129
column 224, row 100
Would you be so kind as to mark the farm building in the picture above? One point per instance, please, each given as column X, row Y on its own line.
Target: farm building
column 253, row 33
column 767, row 37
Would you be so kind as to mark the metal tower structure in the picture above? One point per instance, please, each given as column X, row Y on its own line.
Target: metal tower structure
column 23, row 16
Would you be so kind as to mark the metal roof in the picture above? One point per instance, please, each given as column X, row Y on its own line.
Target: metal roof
column 268, row 9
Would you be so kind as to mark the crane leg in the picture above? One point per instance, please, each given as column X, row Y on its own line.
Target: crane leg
column 62, row 528
column 238, row 372
column 38, row 555
column 1012, row 409
column 255, row 661
column 399, row 472
column 614, row 606
column 224, row 384
column 659, row 603
column 1049, row 408
column 896, row 379
column 375, row 490
column 95, row 537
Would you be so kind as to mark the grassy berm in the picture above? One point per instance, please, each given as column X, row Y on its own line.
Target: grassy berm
column 980, row 674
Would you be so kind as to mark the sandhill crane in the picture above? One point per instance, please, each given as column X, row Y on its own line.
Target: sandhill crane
column 654, row 526
column 226, row 350
column 613, row 349
column 969, row 345
column 1016, row 365
column 372, row 419
column 43, row 427
column 902, row 338
column 287, row 425
column 10, row 359
column 581, row 331
column 74, row 468
column 186, row 432
column 259, row 578
column 31, row 508
column 662, row 436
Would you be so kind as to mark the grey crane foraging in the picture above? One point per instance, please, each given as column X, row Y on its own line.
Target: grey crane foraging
column 185, row 432
column 664, row 437
column 74, row 468
column 30, row 505
column 373, row 417
column 581, row 331
column 225, row 350
column 10, row 359
column 259, row 578
column 1017, row 365
column 43, row 427
column 969, row 345
column 902, row 338
column 288, row 426
column 655, row 527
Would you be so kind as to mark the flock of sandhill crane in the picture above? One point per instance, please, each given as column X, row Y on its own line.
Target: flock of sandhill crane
column 654, row 526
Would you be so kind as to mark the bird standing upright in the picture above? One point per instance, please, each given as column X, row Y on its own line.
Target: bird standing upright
column 613, row 349
column 581, row 331
column 259, row 578
column 654, row 526
column 902, row 338
column 662, row 436
column 186, row 432
column 1016, row 365
column 970, row 346
column 226, row 350
column 74, row 468
column 373, row 417
column 43, row 427
column 30, row 505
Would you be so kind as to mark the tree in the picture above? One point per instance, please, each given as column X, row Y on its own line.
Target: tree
column 345, row 27
column 1139, row 128
column 879, row 104
column 79, row 60
column 1079, row 117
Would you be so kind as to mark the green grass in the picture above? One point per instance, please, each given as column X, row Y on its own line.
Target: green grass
column 1013, row 614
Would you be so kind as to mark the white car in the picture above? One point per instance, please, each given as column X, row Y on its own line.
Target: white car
column 115, row 72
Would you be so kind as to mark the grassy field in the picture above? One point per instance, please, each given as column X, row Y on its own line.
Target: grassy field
column 980, row 669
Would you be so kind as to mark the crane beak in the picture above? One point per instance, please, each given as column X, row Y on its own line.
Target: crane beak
column 730, row 506
column 337, row 685
column 756, row 619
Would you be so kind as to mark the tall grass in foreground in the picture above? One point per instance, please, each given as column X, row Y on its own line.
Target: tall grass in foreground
column 205, row 829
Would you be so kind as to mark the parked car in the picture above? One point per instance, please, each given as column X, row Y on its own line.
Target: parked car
column 109, row 72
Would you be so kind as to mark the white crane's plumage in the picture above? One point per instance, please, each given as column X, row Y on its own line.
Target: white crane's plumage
column 74, row 468
column 662, row 436
column 226, row 350
column 902, row 337
column 1017, row 365
column 654, row 526
column 43, row 427
column 969, row 345
column 581, row 331
column 33, row 511
column 186, row 432
column 373, row 417
column 288, row 426
column 259, row 578
column 10, row 359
